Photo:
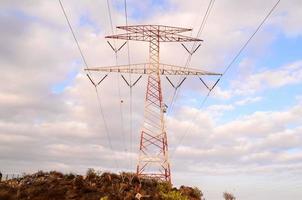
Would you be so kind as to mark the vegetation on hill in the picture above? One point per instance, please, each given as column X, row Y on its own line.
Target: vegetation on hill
column 94, row 186
column 228, row 196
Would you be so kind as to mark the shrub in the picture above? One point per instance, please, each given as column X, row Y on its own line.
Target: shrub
column 173, row 195
column 70, row 176
column 228, row 196
column 78, row 182
column 164, row 187
column 90, row 174
column 197, row 193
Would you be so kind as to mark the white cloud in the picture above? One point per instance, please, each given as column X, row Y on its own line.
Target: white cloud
column 269, row 79
column 248, row 101
column 299, row 98
column 217, row 108
column 221, row 94
column 260, row 139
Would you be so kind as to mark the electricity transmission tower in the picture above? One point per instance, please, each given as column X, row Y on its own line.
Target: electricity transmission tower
column 153, row 151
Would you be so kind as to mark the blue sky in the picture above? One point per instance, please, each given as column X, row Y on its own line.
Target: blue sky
column 142, row 10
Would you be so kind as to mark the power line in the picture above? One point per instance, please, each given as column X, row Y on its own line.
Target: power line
column 246, row 43
column 110, row 16
column 111, row 24
column 204, row 20
column 105, row 123
column 73, row 34
column 118, row 80
column 200, row 30
column 98, row 97
column 130, row 88
column 227, row 68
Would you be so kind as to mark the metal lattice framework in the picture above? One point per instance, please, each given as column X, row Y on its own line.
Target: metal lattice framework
column 143, row 68
column 153, row 156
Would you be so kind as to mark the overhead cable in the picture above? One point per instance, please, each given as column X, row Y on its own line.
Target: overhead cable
column 118, row 77
column 193, row 50
column 96, row 90
column 226, row 69
column 73, row 34
column 130, row 80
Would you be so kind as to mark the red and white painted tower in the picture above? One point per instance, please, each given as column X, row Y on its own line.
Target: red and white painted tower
column 153, row 159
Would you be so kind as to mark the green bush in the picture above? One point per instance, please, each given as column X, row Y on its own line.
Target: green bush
column 197, row 192
column 164, row 187
column 173, row 195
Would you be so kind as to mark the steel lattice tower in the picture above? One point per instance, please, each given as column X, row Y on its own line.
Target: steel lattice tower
column 153, row 149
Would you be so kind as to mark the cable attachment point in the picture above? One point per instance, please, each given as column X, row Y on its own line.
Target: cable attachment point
column 165, row 108
column 176, row 87
column 190, row 52
column 209, row 88
column 96, row 84
column 114, row 49
column 131, row 85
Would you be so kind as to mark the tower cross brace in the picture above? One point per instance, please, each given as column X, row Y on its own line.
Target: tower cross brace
column 153, row 159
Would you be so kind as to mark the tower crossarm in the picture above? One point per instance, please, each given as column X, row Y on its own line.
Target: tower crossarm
column 166, row 69
column 144, row 68
column 158, row 28
column 150, row 32
column 149, row 35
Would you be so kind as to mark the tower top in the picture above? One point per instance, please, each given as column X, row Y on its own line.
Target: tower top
column 148, row 32
column 160, row 28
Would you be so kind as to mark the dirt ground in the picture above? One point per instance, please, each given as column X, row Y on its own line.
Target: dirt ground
column 93, row 186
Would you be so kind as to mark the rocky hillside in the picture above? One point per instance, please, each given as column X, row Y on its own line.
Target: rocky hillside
column 93, row 186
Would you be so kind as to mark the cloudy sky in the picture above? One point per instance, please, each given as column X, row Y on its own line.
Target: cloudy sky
column 246, row 139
